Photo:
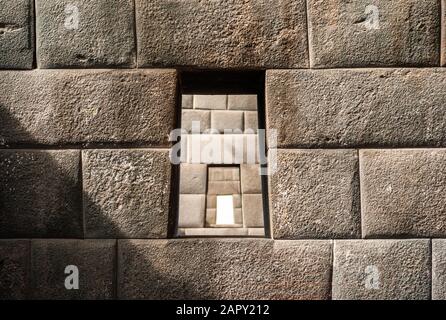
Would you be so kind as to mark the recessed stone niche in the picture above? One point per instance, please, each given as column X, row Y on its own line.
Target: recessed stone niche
column 220, row 181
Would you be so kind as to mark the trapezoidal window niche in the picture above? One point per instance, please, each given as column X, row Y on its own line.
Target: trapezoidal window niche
column 220, row 181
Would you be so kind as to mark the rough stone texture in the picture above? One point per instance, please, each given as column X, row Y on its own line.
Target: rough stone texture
column 315, row 194
column 439, row 269
column 14, row 269
column 85, row 33
column 211, row 102
column 87, row 106
column 402, row 193
column 251, row 178
column 191, row 212
column 252, row 210
column 232, row 121
column 242, row 102
column 193, row 178
column 222, row 33
column 346, row 34
column 382, row 269
column 443, row 33
column 126, row 193
column 224, row 269
column 339, row 108
column 40, row 194
column 201, row 116
column 95, row 260
column 16, row 34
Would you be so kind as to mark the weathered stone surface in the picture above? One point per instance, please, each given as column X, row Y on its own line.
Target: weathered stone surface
column 85, row 33
column 213, row 232
column 439, row 269
column 187, row 101
column 251, row 178
column 211, row 102
column 195, row 118
column 232, row 121
column 251, row 122
column 191, row 211
column 126, row 193
column 242, row 102
column 193, row 178
column 94, row 259
column 14, row 269
column 40, row 194
column 252, row 210
column 339, row 108
column 365, row 33
column 222, row 33
column 87, row 106
column 443, row 33
column 315, row 194
column 382, row 269
column 402, row 193
column 16, row 34
column 224, row 269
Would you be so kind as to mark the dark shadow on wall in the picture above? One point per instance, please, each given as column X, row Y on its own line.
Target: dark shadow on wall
column 40, row 197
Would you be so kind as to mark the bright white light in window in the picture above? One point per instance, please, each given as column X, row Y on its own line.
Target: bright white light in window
column 225, row 210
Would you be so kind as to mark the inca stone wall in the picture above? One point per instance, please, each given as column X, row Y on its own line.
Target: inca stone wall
column 90, row 91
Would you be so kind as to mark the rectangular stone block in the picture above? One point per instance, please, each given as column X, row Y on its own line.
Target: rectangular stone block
column 439, row 269
column 229, row 122
column 40, row 194
column 382, row 270
column 223, row 187
column 193, row 178
column 376, row 34
column 52, row 269
column 126, row 193
column 256, row 232
column 402, row 193
column 85, row 33
column 222, row 34
column 16, row 34
column 253, row 211
column 213, row 232
column 191, row 211
column 251, row 122
column 242, row 102
column 315, row 195
column 187, row 101
column 251, row 178
column 87, row 106
column 224, row 173
column 224, row 269
column 210, row 149
column 14, row 269
column 210, row 102
column 361, row 107
column 198, row 120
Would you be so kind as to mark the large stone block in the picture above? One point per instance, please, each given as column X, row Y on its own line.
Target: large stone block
column 242, row 102
column 382, row 269
column 85, row 33
column 40, row 194
column 370, row 107
column 126, row 193
column 227, row 121
column 222, row 33
column 191, row 212
column 374, row 33
column 315, row 194
column 253, row 210
column 251, row 178
column 193, row 178
column 14, row 269
column 95, row 263
column 87, row 106
column 224, row 269
column 191, row 119
column 211, row 102
column 402, row 193
column 16, row 34
column 439, row 269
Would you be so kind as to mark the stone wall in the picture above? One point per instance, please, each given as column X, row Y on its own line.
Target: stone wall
column 90, row 91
